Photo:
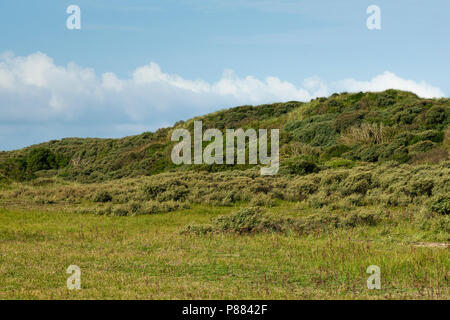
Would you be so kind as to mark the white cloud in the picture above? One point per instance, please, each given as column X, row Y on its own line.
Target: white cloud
column 389, row 80
column 34, row 92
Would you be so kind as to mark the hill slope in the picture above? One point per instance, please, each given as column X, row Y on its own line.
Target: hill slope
column 326, row 132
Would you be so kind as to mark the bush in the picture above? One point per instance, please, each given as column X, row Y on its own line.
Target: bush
column 320, row 133
column 436, row 115
column 102, row 196
column 422, row 146
column 357, row 183
column 300, row 166
column 171, row 189
column 262, row 200
column 300, row 189
column 248, row 220
column 440, row 205
column 346, row 120
column 41, row 159
column 420, row 188
column 395, row 151
column 340, row 163
column 253, row 220
column 431, row 135
column 16, row 169
column 245, row 221
column 334, row 152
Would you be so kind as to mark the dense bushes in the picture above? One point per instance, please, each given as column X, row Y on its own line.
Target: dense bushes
column 299, row 166
column 102, row 196
column 23, row 167
column 361, row 127
column 440, row 205
column 44, row 159
column 386, row 185
column 253, row 220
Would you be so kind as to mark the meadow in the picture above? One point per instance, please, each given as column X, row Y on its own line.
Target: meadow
column 145, row 257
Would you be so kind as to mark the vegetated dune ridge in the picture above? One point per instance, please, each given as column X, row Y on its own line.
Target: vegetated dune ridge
column 339, row 131
column 364, row 179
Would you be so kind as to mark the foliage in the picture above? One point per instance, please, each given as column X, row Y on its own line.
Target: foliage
column 441, row 205
column 368, row 127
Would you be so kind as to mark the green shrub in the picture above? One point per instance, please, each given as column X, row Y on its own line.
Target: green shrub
column 440, row 205
column 262, row 200
column 395, row 151
column 340, row 163
column 365, row 153
column 319, row 200
column 421, row 146
column 172, row 189
column 334, row 152
column 16, row 169
column 420, row 188
column 432, row 135
column 357, row 183
column 436, row 115
column 41, row 159
column 248, row 220
column 347, row 119
column 102, row 196
column 316, row 133
column 300, row 166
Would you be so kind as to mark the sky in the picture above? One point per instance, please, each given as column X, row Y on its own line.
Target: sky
column 136, row 65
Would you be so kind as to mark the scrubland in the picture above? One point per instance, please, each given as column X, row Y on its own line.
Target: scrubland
column 364, row 180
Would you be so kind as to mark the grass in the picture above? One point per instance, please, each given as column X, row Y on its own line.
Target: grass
column 147, row 257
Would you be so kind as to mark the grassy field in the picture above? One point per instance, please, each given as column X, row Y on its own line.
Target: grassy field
column 147, row 257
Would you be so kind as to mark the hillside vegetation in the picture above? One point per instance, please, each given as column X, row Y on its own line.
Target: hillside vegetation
column 343, row 130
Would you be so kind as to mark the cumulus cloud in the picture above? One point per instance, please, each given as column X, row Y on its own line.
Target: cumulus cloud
column 389, row 80
column 42, row 98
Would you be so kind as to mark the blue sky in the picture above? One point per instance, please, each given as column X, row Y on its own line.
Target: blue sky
column 138, row 65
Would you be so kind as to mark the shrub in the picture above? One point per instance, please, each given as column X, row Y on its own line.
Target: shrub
column 340, row 163
column 436, row 115
column 422, row 146
column 262, row 200
column 300, row 166
column 357, row 183
column 301, row 189
column 319, row 200
column 170, row 189
column 420, row 188
column 431, row 135
column 102, row 196
column 334, row 152
column 319, row 133
column 440, row 205
column 248, row 220
column 395, row 151
column 120, row 211
column 16, row 169
column 41, row 159
column 347, row 119
column 369, row 153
